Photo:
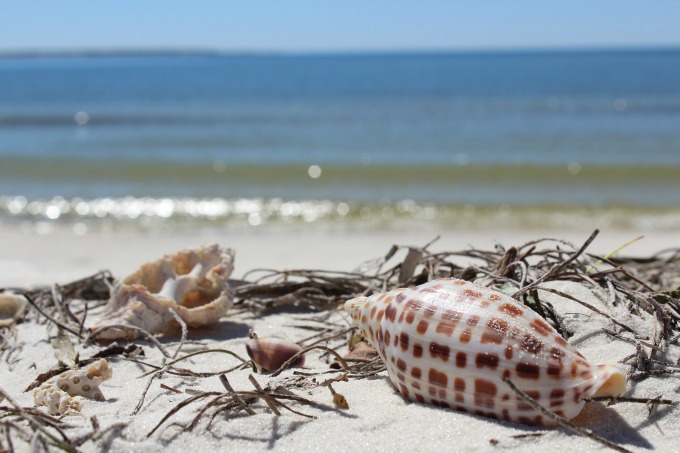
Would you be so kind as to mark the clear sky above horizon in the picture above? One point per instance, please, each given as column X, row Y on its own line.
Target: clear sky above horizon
column 348, row 25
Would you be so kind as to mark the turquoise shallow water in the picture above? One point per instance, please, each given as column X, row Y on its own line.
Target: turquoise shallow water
column 543, row 139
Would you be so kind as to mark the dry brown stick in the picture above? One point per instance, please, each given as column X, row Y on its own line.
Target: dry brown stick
column 47, row 419
column 629, row 340
column 206, row 351
column 625, row 399
column 612, row 291
column 8, row 436
column 57, row 300
column 369, row 363
column 647, row 373
column 111, row 427
column 293, row 411
column 213, row 402
column 265, row 397
column 112, row 350
column 495, row 276
column 333, row 335
column 81, row 324
column 146, row 389
column 525, row 435
column 139, row 330
column 595, row 286
column 185, row 331
column 674, row 339
column 562, row 421
column 236, row 396
column 276, row 397
column 63, row 309
column 589, row 306
column 225, row 407
column 552, row 271
column 34, row 421
column 300, row 272
column 172, row 389
column 525, row 271
column 314, row 336
column 177, row 408
column 186, row 372
column 539, row 305
column 30, row 300
column 625, row 272
column 280, row 396
column 193, row 392
column 97, row 433
column 176, row 371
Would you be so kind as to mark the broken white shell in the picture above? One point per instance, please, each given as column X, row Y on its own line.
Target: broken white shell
column 12, row 308
column 56, row 401
column 193, row 283
column 57, row 393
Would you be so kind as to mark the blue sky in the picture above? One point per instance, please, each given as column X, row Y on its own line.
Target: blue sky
column 345, row 25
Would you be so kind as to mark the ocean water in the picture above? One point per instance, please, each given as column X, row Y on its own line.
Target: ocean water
column 525, row 139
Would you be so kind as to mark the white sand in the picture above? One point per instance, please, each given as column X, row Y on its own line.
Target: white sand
column 379, row 419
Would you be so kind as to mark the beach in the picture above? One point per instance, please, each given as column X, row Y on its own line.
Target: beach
column 312, row 168
column 34, row 259
column 378, row 417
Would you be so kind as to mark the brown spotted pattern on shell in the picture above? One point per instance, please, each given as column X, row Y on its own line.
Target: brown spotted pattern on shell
column 57, row 394
column 450, row 343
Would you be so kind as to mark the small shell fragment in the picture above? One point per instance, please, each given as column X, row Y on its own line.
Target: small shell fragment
column 361, row 351
column 12, row 308
column 269, row 353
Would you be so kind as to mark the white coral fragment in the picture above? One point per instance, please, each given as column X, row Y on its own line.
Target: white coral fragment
column 193, row 283
column 57, row 394
column 57, row 401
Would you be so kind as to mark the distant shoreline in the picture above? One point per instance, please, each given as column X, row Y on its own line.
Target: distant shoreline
column 192, row 53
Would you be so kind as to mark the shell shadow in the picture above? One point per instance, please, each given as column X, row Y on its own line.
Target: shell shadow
column 277, row 431
column 606, row 422
column 656, row 415
column 220, row 331
column 601, row 420
column 270, row 439
column 108, row 438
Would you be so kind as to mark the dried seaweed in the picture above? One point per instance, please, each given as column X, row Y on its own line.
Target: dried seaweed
column 235, row 401
column 67, row 306
column 113, row 350
column 642, row 284
column 649, row 284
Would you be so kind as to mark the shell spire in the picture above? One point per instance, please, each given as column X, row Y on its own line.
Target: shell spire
column 450, row 343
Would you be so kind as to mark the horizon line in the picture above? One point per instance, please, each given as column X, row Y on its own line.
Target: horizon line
column 177, row 51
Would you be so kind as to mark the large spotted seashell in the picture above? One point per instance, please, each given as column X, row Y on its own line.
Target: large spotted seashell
column 450, row 343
